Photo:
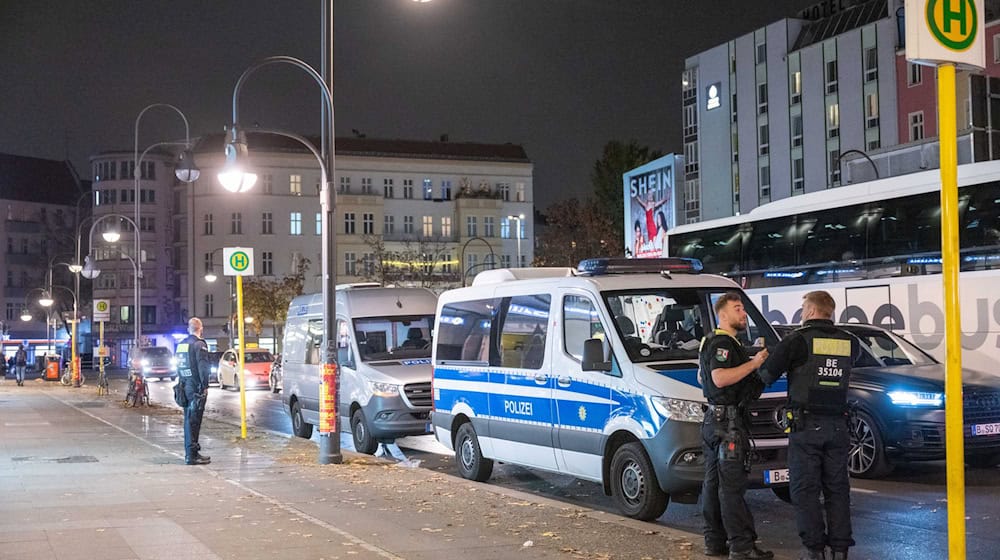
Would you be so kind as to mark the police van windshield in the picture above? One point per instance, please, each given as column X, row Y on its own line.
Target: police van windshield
column 668, row 324
column 394, row 338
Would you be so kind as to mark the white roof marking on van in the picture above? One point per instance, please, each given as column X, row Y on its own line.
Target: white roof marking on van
column 501, row 275
column 356, row 285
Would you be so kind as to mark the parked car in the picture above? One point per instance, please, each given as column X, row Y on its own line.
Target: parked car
column 213, row 374
column 154, row 361
column 274, row 379
column 899, row 390
column 256, row 368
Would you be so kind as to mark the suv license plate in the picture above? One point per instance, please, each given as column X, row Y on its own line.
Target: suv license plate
column 777, row 476
column 986, row 429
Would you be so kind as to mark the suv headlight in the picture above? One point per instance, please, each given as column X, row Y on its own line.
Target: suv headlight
column 384, row 389
column 916, row 398
column 144, row 361
column 678, row 409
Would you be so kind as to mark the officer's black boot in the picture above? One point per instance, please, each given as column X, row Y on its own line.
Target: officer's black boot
column 752, row 554
column 812, row 554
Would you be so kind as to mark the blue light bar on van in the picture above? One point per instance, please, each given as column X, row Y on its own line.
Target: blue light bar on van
column 793, row 275
column 615, row 265
column 924, row 260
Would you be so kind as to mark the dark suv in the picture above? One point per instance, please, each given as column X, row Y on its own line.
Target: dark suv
column 154, row 361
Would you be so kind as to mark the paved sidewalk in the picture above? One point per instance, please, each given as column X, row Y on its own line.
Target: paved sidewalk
column 83, row 477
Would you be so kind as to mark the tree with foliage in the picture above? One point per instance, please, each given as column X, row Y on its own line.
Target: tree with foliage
column 267, row 299
column 575, row 231
column 616, row 159
column 419, row 261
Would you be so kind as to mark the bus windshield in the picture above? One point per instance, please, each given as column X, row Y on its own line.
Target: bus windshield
column 394, row 338
column 668, row 324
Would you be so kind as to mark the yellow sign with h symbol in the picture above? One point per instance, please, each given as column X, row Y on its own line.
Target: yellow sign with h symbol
column 945, row 31
column 237, row 261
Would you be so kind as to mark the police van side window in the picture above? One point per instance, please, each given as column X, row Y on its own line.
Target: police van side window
column 314, row 342
column 464, row 331
column 522, row 338
column 580, row 322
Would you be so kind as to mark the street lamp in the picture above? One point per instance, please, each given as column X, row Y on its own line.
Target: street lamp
column 211, row 276
column 90, row 271
column 236, row 153
column 519, row 218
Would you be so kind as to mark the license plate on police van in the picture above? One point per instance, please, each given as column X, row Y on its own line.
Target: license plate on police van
column 776, row 476
column 986, row 429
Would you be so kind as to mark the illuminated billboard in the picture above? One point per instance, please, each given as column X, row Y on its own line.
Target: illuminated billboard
column 649, row 207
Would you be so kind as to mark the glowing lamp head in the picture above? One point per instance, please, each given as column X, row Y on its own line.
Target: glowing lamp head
column 234, row 176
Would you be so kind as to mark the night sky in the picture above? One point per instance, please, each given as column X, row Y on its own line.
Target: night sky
column 560, row 77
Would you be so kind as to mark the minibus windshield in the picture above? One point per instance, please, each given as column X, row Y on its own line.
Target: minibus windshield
column 394, row 337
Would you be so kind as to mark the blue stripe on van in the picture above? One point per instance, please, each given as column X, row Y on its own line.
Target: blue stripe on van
column 690, row 377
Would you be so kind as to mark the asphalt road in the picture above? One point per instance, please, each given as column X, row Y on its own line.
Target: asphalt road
column 902, row 516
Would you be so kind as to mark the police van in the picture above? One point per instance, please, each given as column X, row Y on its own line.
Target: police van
column 383, row 348
column 592, row 372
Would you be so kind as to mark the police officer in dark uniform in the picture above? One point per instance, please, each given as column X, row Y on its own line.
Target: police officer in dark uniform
column 728, row 378
column 818, row 358
column 193, row 368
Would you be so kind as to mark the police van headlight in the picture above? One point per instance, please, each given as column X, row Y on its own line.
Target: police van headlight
column 678, row 409
column 144, row 362
column 384, row 389
column 916, row 398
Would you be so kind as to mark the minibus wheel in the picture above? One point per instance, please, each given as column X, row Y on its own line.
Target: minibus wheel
column 363, row 440
column 299, row 425
column 469, row 457
column 634, row 486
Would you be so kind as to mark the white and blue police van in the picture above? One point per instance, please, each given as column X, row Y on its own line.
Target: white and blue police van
column 592, row 372
column 383, row 349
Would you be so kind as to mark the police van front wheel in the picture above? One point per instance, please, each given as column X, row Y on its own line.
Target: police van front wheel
column 299, row 425
column 364, row 442
column 469, row 457
column 634, row 486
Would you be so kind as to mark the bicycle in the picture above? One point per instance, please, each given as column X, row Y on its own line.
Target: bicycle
column 67, row 377
column 102, row 384
column 138, row 391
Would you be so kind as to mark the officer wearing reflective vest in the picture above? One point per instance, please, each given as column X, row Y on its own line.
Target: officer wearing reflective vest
column 818, row 358
column 193, row 368
column 728, row 379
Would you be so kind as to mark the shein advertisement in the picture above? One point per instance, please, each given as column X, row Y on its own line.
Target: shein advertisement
column 649, row 208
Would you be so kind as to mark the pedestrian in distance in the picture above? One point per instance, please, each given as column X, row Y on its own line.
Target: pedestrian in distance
column 20, row 363
column 728, row 378
column 193, row 368
column 817, row 358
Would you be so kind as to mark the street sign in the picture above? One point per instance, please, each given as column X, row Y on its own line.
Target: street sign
column 102, row 310
column 237, row 261
column 946, row 31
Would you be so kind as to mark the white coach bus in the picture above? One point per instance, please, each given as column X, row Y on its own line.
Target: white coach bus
column 876, row 247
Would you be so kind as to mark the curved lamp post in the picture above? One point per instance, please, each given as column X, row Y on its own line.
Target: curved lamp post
column 210, row 277
column 235, row 178
column 461, row 257
column 520, row 219
column 90, row 271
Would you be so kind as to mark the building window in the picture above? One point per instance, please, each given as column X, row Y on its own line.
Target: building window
column 796, row 131
column 428, row 223
column 763, row 139
column 831, row 76
column 996, row 49
column 691, row 157
column 350, row 264
column 368, row 264
column 470, row 226
column 368, row 223
column 798, row 175
column 519, row 192
column 446, row 226
column 504, row 228
column 388, row 189
column 504, row 190
column 795, row 85
column 760, row 53
column 295, row 223
column 295, row 184
column 366, row 185
column 407, row 188
column 689, row 84
column 446, row 190
column 147, row 223
column 871, row 64
column 236, row 224
column 871, row 110
column 267, row 263
column 349, row 223
column 267, row 223
column 345, row 185
column 408, row 224
column 761, row 99
column 914, row 74
column 690, row 120
column 267, row 183
column 428, row 189
column 389, row 225
column 209, row 305
column 834, row 167
column 488, row 226
column 916, row 126
column 833, row 120
column 765, row 182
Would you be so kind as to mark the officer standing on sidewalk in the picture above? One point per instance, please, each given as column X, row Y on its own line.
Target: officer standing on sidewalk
column 728, row 379
column 193, row 368
column 818, row 358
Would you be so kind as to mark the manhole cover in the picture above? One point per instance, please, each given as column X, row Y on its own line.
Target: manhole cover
column 90, row 404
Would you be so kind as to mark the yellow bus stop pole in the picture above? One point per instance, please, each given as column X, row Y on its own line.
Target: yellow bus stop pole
column 954, row 424
column 242, row 372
